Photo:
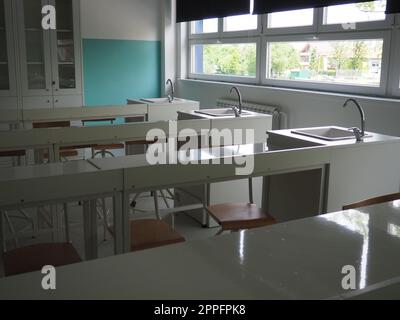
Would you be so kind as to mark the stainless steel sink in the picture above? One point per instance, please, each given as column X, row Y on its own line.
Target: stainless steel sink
column 327, row 133
column 221, row 112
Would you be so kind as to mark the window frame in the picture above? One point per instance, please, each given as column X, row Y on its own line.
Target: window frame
column 290, row 30
column 336, row 87
column 395, row 75
column 388, row 30
column 225, row 78
column 225, row 34
column 361, row 26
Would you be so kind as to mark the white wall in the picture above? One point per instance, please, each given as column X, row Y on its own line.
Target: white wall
column 121, row 19
column 304, row 108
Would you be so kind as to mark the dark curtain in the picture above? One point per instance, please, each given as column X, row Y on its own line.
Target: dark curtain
column 393, row 6
column 191, row 10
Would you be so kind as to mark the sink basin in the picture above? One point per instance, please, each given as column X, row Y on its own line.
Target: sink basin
column 221, row 112
column 160, row 100
column 327, row 133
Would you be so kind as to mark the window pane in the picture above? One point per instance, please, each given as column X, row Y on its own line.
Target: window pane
column 3, row 46
column 356, row 12
column 355, row 62
column 33, row 14
column 205, row 26
column 239, row 59
column 64, row 14
column 295, row 18
column 239, row 23
column 2, row 15
column 4, row 83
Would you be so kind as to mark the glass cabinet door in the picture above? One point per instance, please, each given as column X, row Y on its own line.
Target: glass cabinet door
column 35, row 49
column 65, row 56
column 7, row 75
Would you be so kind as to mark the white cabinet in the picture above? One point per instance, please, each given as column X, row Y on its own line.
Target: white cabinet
column 169, row 111
column 50, row 60
column 8, row 85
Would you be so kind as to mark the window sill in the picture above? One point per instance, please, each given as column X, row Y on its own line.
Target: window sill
column 295, row 90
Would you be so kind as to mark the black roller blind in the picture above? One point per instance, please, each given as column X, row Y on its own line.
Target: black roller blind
column 269, row 6
column 393, row 6
column 191, row 10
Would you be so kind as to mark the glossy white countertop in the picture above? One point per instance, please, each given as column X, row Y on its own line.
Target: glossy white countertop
column 46, row 170
column 372, row 138
column 301, row 259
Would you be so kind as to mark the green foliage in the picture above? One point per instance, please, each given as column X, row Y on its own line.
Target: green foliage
column 283, row 57
column 339, row 55
column 230, row 59
column 314, row 60
column 366, row 6
column 357, row 61
column 373, row 6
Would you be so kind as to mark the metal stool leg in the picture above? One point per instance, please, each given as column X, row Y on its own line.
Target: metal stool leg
column 11, row 228
column 156, row 205
column 164, row 197
column 2, row 233
column 251, row 191
column 104, row 217
column 66, row 222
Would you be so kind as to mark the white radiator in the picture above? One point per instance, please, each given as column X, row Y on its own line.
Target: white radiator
column 279, row 120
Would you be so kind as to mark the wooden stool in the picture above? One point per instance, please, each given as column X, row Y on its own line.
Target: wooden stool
column 102, row 149
column 239, row 216
column 164, row 193
column 65, row 151
column 35, row 257
column 373, row 201
column 151, row 233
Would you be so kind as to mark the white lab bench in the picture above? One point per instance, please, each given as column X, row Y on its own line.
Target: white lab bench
column 302, row 259
column 121, row 176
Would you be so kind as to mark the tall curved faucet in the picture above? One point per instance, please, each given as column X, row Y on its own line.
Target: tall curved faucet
column 171, row 97
column 239, row 98
column 359, row 135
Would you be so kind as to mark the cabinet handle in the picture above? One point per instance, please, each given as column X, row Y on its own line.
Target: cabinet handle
column 48, row 101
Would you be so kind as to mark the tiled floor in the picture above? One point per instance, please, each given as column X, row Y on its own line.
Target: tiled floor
column 184, row 224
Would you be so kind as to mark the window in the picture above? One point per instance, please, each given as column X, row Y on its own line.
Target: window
column 296, row 18
column 240, row 23
column 349, row 62
column 356, row 12
column 344, row 48
column 204, row 26
column 227, row 59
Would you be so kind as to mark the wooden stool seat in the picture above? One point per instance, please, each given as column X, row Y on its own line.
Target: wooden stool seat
column 35, row 257
column 12, row 153
column 238, row 216
column 373, row 201
column 64, row 154
column 139, row 142
column 113, row 146
column 53, row 124
column 151, row 233
column 98, row 120
column 146, row 234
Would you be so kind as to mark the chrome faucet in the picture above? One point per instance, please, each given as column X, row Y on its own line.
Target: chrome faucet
column 171, row 96
column 358, row 134
column 237, row 113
